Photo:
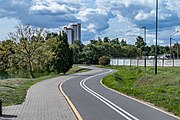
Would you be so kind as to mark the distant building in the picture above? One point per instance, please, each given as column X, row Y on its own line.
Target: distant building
column 73, row 32
column 164, row 56
column 70, row 35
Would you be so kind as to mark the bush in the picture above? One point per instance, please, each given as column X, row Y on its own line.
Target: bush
column 104, row 60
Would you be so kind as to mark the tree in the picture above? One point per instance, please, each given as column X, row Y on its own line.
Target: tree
column 140, row 42
column 93, row 41
column 91, row 54
column 131, row 51
column 28, row 42
column 6, row 52
column 99, row 40
column 77, row 48
column 51, row 35
column 115, row 41
column 123, row 43
column 176, row 49
column 63, row 57
column 106, row 39
column 79, row 44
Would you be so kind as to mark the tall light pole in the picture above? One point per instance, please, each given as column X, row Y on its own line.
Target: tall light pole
column 155, row 69
column 177, row 50
column 171, row 42
column 144, row 27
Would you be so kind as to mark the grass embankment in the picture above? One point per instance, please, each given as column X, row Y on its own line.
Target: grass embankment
column 13, row 91
column 162, row 90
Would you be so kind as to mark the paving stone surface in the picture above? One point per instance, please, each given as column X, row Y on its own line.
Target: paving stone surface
column 44, row 101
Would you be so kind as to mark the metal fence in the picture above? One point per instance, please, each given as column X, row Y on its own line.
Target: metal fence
column 149, row 62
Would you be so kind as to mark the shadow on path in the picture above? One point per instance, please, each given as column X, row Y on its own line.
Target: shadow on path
column 7, row 117
column 81, row 75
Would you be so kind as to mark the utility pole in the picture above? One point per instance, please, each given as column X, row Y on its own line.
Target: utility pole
column 144, row 27
column 156, row 37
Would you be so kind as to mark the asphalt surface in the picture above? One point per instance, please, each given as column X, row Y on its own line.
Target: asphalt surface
column 95, row 102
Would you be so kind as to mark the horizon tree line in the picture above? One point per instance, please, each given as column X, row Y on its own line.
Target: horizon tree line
column 31, row 52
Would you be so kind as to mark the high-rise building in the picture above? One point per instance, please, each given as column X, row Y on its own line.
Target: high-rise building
column 70, row 34
column 73, row 32
column 79, row 31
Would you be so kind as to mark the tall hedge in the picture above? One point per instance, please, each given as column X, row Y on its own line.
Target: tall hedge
column 104, row 60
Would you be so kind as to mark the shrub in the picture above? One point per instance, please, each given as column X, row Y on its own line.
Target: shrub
column 104, row 60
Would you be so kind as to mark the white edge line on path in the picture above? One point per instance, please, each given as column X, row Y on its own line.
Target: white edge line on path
column 104, row 100
column 142, row 102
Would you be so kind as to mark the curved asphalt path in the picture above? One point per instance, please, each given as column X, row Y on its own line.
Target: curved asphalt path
column 95, row 102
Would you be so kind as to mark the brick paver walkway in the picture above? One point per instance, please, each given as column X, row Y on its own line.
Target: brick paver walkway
column 44, row 101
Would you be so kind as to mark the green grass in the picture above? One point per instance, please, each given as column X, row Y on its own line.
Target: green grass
column 77, row 69
column 13, row 91
column 162, row 90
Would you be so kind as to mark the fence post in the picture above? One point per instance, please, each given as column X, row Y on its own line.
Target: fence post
column 123, row 62
column 163, row 62
column 138, row 62
column 153, row 62
column 173, row 61
column 1, row 100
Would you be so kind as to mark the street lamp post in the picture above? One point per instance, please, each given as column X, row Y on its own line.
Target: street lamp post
column 144, row 27
column 177, row 50
column 171, row 42
column 156, row 37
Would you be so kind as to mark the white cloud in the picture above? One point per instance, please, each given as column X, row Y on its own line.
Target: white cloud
column 52, row 7
column 144, row 16
column 95, row 20
column 174, row 6
column 177, row 28
column 113, row 18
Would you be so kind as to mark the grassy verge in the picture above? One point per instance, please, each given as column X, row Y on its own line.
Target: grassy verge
column 13, row 91
column 162, row 90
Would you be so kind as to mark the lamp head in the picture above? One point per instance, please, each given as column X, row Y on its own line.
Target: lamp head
column 143, row 27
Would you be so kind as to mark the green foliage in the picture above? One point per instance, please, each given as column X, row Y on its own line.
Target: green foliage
column 6, row 53
column 13, row 91
column 140, row 42
column 115, row 41
column 27, row 46
column 104, row 60
column 63, row 59
column 31, row 52
column 114, row 48
column 106, row 39
column 162, row 90
column 77, row 49
column 123, row 43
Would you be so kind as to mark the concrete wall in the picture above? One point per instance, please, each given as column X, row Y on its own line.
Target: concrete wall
column 149, row 62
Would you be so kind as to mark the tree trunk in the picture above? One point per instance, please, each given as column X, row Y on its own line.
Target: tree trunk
column 30, row 70
column 30, row 66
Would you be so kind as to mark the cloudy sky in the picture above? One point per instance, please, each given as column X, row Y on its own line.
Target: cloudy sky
column 99, row 18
